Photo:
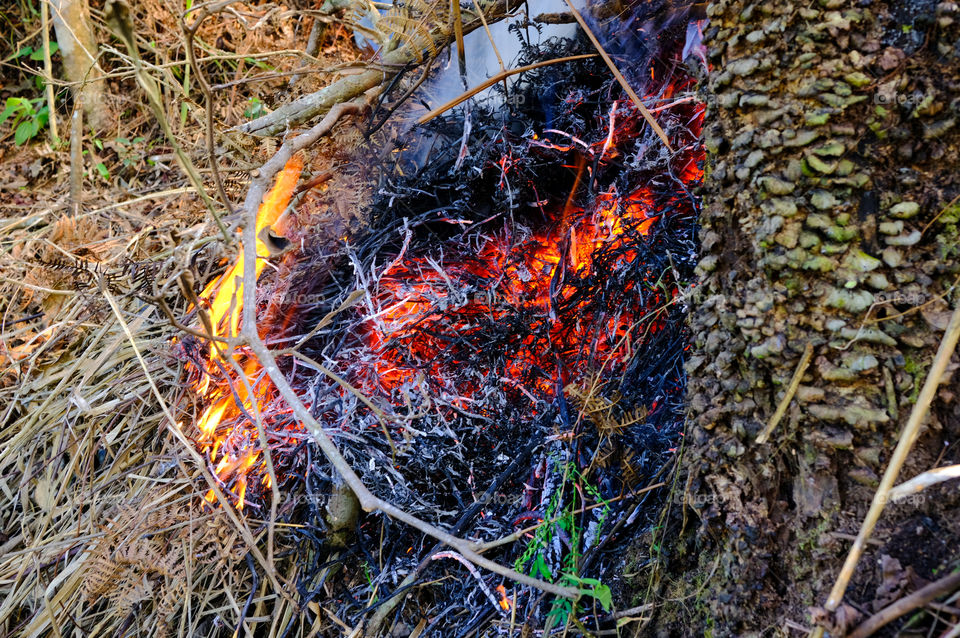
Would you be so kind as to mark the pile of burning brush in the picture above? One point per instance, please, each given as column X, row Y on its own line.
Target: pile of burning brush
column 498, row 352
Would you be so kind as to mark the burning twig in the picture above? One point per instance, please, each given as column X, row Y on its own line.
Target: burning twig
column 473, row 572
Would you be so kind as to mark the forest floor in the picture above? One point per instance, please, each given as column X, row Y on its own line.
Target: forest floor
column 60, row 332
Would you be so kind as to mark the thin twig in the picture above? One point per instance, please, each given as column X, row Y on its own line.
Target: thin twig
column 188, row 35
column 48, row 71
column 502, row 75
column 788, row 397
column 118, row 17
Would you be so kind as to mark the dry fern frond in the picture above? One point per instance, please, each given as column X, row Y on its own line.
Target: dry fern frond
column 138, row 561
column 413, row 23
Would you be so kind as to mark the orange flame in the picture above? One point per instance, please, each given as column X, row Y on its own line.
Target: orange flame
column 228, row 397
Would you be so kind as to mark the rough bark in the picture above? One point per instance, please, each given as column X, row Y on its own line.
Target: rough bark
column 78, row 49
column 832, row 145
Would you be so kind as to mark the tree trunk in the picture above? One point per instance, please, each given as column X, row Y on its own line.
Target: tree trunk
column 78, row 48
column 832, row 146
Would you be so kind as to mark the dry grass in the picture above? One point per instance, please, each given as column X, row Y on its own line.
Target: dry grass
column 102, row 527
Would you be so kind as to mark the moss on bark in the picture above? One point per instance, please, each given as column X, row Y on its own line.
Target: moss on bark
column 832, row 147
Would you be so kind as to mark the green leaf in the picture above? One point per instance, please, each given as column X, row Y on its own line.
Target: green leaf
column 25, row 51
column 102, row 169
column 22, row 134
column 13, row 105
column 540, row 569
column 603, row 595
column 38, row 53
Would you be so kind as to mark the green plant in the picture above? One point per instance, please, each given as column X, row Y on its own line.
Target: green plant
column 29, row 117
column 561, row 520
column 254, row 108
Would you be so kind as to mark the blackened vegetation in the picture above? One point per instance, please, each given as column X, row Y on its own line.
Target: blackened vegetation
column 521, row 292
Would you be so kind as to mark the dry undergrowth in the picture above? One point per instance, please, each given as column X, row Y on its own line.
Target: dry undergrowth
column 101, row 525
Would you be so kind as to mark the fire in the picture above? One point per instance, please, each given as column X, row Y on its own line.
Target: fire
column 417, row 316
column 504, row 599
column 428, row 315
column 225, row 392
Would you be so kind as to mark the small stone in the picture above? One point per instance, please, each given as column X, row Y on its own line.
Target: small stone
column 776, row 186
column 832, row 148
column 773, row 345
column 807, row 394
column 904, row 210
column 860, row 261
column 835, row 324
column 728, row 99
column 754, row 158
column 853, row 302
column 823, row 200
column 860, row 363
column 870, row 335
column 845, row 167
column 754, row 99
column 789, row 236
column 802, row 138
column 809, row 240
column 892, row 257
column 770, row 138
column 817, row 118
column 819, row 263
column 743, row 139
column 834, row 249
column 743, row 66
column 904, row 240
column 832, row 99
column 779, row 206
column 878, row 281
column 857, row 79
column 794, row 170
column 708, row 264
column 819, row 165
column 890, row 228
